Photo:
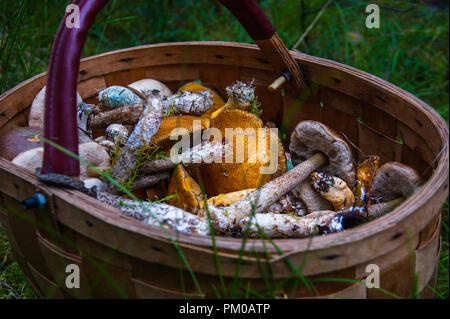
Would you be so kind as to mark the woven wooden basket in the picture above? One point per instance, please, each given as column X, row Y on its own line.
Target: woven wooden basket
column 118, row 256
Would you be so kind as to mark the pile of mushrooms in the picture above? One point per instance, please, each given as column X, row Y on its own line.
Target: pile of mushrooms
column 128, row 135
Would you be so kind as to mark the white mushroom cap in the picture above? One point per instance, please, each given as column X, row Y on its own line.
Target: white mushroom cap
column 310, row 137
column 90, row 151
column 36, row 117
column 95, row 154
column 393, row 180
column 30, row 159
column 94, row 182
column 146, row 86
column 116, row 133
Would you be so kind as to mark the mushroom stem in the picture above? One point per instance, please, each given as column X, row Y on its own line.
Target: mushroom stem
column 258, row 201
column 377, row 210
column 283, row 226
column 159, row 165
column 127, row 115
column 195, row 155
column 149, row 123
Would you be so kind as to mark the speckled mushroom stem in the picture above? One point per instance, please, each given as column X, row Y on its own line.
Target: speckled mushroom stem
column 149, row 123
column 227, row 219
column 155, row 213
column 194, row 155
column 127, row 115
column 288, row 226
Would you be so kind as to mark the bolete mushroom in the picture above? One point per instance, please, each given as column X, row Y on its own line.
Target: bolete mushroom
column 253, row 145
column 310, row 198
column 310, row 137
column 313, row 145
column 364, row 177
column 30, row 159
column 36, row 116
column 187, row 191
column 118, row 96
column 333, row 189
column 170, row 123
column 91, row 152
column 155, row 110
column 393, row 180
column 218, row 102
column 116, row 133
column 146, row 87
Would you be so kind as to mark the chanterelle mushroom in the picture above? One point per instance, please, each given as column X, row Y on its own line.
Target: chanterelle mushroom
column 393, row 180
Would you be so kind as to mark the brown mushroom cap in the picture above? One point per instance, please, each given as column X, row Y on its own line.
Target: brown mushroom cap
column 310, row 137
column 393, row 180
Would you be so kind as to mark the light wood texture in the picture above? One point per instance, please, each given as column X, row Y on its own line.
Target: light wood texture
column 281, row 60
column 143, row 261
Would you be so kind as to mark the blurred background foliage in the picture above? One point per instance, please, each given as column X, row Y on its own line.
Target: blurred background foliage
column 411, row 50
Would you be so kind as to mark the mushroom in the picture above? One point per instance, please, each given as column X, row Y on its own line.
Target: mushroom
column 288, row 226
column 364, row 177
column 333, row 189
column 187, row 191
column 218, row 102
column 84, row 112
column 116, row 133
column 18, row 140
column 240, row 96
column 311, row 199
column 244, row 170
column 224, row 200
column 93, row 153
column 127, row 115
column 117, row 96
column 30, row 159
column 326, row 221
column 311, row 137
column 158, row 214
column 90, row 183
column 146, row 87
column 155, row 109
column 170, row 123
column 393, row 180
column 36, row 116
column 313, row 145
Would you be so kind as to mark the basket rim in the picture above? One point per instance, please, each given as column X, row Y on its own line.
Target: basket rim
column 290, row 245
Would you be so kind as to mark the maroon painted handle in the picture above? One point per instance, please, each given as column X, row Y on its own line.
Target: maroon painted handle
column 60, row 122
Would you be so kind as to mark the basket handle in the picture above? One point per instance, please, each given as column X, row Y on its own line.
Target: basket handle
column 60, row 122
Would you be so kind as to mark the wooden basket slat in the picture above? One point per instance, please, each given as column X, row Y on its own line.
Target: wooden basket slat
column 133, row 253
column 380, row 121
